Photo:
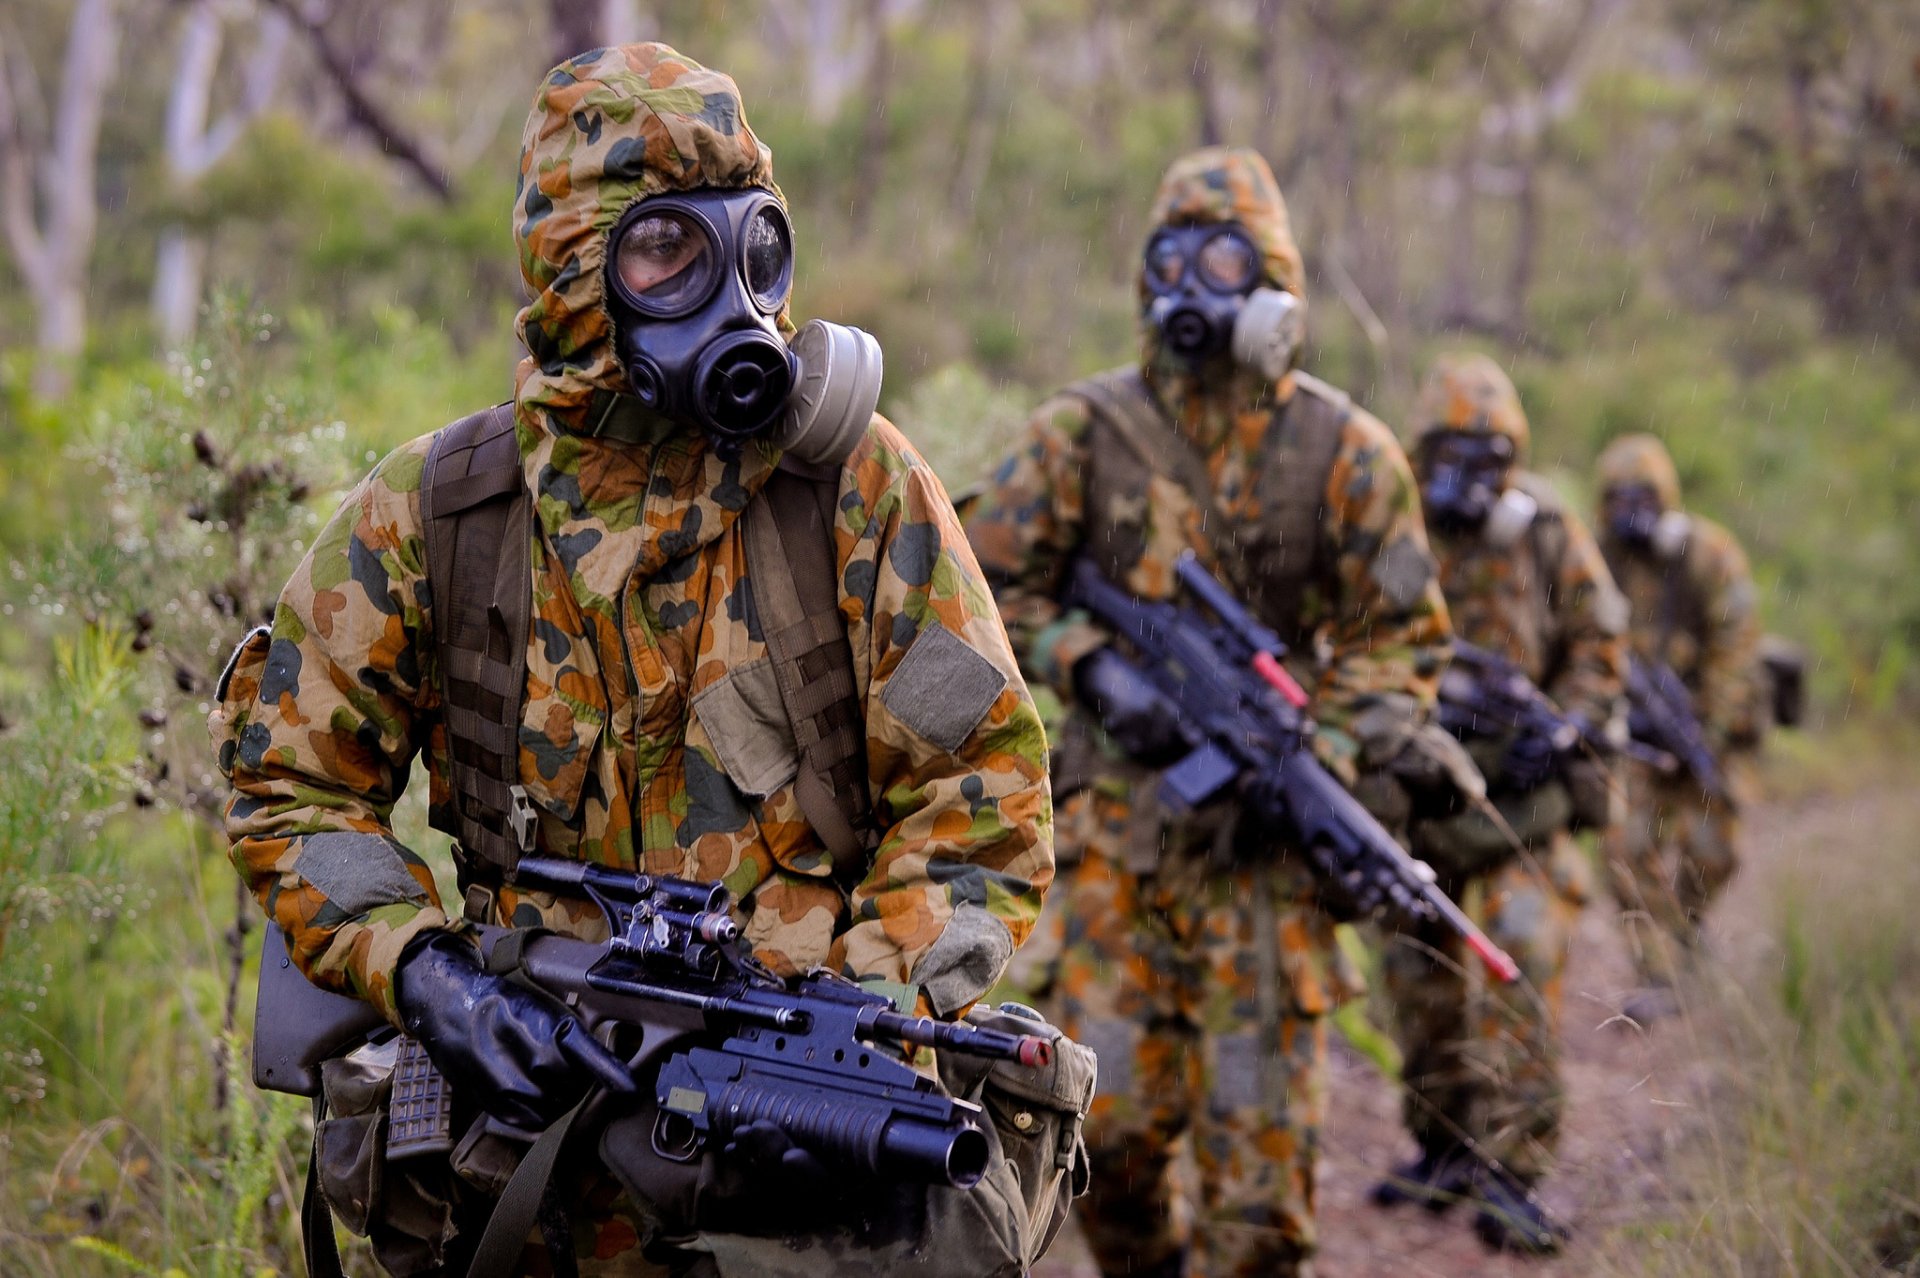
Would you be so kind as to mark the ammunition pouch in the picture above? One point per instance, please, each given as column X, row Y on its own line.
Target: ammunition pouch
column 1784, row 666
column 405, row 1206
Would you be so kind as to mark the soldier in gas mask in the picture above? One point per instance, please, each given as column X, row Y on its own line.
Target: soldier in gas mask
column 1694, row 609
column 1196, row 954
column 1523, row 578
column 612, row 686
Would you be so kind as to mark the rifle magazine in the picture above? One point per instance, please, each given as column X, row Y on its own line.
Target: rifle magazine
column 420, row 1115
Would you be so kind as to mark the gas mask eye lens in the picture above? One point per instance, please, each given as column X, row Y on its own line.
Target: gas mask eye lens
column 768, row 259
column 664, row 260
column 1165, row 263
column 1227, row 263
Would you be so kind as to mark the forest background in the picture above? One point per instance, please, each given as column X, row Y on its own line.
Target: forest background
column 249, row 245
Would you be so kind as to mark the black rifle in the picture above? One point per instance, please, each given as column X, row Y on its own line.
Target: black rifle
column 1484, row 694
column 1246, row 720
column 1660, row 714
column 722, row 1041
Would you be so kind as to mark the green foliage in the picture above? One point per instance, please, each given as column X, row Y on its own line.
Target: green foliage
column 65, row 761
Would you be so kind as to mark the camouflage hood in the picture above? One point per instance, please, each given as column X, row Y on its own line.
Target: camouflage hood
column 1640, row 459
column 1470, row 393
column 607, row 128
column 1211, row 185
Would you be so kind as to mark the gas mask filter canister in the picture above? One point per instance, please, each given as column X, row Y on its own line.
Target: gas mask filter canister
column 696, row 283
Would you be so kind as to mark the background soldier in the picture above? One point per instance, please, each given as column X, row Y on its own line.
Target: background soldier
column 650, row 733
column 1693, row 608
column 1524, row 579
column 1197, row 959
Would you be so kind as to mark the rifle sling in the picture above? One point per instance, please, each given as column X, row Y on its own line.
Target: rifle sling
column 518, row 1211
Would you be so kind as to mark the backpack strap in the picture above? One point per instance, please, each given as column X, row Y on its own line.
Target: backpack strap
column 1293, row 500
column 792, row 564
column 478, row 522
column 1121, row 398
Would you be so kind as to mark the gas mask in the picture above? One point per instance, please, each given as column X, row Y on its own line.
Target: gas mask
column 1204, row 300
column 696, row 283
column 1635, row 518
column 1465, row 481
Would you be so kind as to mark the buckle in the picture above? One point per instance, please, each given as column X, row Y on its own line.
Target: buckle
column 480, row 903
column 522, row 820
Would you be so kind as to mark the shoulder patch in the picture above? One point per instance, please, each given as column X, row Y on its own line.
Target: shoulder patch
column 943, row 688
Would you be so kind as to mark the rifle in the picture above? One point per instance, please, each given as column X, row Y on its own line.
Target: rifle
column 677, row 991
column 1246, row 719
column 1485, row 694
column 1660, row 714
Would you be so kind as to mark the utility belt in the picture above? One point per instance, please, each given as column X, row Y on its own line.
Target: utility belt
column 418, row 1171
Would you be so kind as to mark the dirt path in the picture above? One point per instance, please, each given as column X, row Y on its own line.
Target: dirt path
column 1632, row 1096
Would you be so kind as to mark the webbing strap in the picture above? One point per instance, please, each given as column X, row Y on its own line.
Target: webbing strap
column 518, row 1211
column 796, row 592
column 1293, row 500
column 477, row 517
column 1121, row 398
column 316, row 1218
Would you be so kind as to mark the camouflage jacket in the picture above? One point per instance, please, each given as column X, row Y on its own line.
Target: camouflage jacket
column 1698, row 612
column 651, row 734
column 1546, row 602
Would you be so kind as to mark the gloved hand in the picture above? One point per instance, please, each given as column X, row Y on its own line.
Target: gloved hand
column 1141, row 719
column 1528, row 763
column 515, row 1050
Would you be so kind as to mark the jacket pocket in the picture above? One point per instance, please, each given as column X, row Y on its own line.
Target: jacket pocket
column 558, row 736
column 746, row 723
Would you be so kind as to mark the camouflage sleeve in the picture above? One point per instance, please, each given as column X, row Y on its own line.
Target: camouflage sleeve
column 316, row 729
column 1730, row 660
column 1591, row 617
column 1026, row 528
column 956, row 752
column 1384, row 629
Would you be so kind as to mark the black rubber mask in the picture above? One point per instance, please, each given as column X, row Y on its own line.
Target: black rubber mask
column 1463, row 475
column 1198, row 277
column 696, row 283
column 1633, row 513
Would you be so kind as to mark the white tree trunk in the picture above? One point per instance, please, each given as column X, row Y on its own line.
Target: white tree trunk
column 196, row 142
column 51, row 238
column 179, row 272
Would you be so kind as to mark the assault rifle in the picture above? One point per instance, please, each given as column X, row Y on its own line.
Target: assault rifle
column 1485, row 694
column 1660, row 714
column 722, row 1042
column 1245, row 718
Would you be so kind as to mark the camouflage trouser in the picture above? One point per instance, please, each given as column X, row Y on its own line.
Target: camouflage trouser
column 1203, row 993
column 1667, row 862
column 1482, row 1060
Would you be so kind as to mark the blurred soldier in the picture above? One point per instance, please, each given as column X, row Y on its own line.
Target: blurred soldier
column 648, row 423
column 1524, row 579
column 1693, row 607
column 1197, row 956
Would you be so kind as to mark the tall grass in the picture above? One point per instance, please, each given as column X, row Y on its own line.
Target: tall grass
column 1807, row 1158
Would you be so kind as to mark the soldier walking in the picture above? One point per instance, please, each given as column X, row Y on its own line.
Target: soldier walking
column 1197, row 953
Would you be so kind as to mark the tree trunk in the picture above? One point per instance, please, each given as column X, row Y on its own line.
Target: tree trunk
column 979, row 118
column 52, row 244
column 870, row 167
column 1526, row 242
column 1206, row 98
column 179, row 269
column 575, row 28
